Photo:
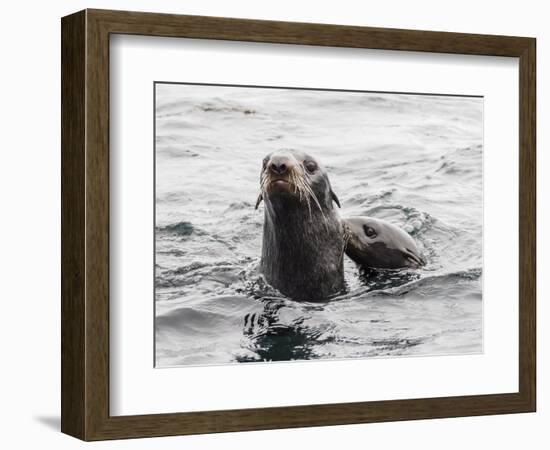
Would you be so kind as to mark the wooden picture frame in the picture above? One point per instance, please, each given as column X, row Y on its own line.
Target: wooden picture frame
column 85, row 224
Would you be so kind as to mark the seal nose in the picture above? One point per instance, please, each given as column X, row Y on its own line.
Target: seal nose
column 279, row 165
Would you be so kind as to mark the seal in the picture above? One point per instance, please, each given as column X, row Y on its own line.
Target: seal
column 303, row 237
column 378, row 244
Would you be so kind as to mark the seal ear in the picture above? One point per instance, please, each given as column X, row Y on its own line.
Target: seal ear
column 334, row 198
column 258, row 201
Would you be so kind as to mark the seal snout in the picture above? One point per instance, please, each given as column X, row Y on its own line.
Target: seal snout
column 279, row 172
column 280, row 165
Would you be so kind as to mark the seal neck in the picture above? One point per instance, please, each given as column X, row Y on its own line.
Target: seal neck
column 302, row 253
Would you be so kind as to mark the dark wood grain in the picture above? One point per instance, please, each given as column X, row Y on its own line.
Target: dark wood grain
column 85, row 224
column 527, row 224
column 97, row 224
column 151, row 24
column 73, row 227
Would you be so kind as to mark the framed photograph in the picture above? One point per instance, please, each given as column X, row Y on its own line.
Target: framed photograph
column 273, row 225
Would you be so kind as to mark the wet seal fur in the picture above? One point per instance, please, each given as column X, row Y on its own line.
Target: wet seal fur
column 303, row 237
column 378, row 244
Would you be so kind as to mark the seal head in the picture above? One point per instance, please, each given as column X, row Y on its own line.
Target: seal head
column 376, row 243
column 303, row 238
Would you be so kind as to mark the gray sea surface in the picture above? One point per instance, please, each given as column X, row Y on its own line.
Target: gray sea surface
column 415, row 160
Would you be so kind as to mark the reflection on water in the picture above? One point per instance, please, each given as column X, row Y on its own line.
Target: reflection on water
column 413, row 160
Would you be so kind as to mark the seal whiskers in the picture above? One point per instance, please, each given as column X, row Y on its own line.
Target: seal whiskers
column 298, row 180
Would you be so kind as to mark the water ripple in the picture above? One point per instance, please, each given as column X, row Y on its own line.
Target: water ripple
column 413, row 160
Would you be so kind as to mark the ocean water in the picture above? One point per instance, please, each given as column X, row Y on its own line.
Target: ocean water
column 415, row 160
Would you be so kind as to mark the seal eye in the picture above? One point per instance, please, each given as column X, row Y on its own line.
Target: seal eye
column 369, row 231
column 311, row 166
